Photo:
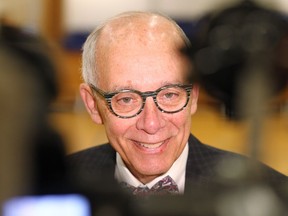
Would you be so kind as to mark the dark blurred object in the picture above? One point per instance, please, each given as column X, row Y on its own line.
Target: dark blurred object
column 33, row 49
column 238, row 41
column 218, row 200
column 34, row 86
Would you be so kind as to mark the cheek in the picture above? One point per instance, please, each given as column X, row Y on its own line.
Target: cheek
column 183, row 121
column 115, row 127
column 178, row 124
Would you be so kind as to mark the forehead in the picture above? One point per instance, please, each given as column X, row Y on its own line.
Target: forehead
column 142, row 27
column 139, row 48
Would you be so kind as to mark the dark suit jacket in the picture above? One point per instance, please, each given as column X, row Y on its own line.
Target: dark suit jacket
column 205, row 165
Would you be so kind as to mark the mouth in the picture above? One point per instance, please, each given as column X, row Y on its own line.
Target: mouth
column 151, row 146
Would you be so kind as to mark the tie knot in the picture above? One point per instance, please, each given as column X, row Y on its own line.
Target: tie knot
column 165, row 186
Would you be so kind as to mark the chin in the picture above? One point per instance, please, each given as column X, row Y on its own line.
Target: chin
column 154, row 170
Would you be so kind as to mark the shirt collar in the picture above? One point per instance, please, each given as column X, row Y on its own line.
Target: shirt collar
column 176, row 172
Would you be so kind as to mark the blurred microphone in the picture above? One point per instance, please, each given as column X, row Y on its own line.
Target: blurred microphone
column 238, row 44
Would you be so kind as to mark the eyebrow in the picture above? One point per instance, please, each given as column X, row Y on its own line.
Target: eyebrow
column 118, row 88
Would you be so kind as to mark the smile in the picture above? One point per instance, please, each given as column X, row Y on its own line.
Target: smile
column 151, row 145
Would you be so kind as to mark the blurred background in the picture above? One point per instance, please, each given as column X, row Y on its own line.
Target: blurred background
column 65, row 24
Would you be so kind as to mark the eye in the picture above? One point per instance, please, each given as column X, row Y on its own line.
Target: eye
column 126, row 99
column 170, row 95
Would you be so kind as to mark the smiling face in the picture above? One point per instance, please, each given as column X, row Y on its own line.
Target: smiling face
column 144, row 60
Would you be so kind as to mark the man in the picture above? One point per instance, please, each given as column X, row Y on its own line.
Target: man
column 137, row 84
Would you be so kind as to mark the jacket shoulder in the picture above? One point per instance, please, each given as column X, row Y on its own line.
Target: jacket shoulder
column 209, row 161
column 96, row 159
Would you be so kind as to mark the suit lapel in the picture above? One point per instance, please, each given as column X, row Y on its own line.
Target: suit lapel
column 199, row 163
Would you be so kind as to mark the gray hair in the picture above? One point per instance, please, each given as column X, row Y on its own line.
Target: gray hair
column 89, row 64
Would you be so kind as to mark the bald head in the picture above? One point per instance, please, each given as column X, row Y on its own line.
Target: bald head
column 125, row 31
column 145, row 28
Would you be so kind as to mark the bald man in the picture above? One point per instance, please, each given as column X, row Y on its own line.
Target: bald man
column 136, row 83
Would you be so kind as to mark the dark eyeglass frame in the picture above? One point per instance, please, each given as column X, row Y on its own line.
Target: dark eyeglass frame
column 109, row 95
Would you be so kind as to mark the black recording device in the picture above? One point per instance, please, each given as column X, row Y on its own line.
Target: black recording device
column 236, row 42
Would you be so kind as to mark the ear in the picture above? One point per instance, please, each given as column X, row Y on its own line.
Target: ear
column 194, row 98
column 90, row 103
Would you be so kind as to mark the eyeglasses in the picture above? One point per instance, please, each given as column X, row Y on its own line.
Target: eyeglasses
column 128, row 103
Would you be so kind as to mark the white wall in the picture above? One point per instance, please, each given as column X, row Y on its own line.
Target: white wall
column 86, row 14
column 22, row 12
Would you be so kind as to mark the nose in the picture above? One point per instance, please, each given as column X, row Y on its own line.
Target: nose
column 150, row 119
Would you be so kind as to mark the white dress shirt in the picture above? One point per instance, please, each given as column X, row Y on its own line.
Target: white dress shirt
column 176, row 172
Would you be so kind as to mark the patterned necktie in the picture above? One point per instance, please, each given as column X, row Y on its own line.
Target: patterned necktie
column 164, row 187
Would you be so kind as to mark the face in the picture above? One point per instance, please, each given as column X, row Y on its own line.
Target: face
column 150, row 142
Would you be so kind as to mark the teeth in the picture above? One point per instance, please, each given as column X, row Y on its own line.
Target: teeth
column 151, row 146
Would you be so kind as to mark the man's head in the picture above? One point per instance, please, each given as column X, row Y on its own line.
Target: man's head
column 140, row 51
